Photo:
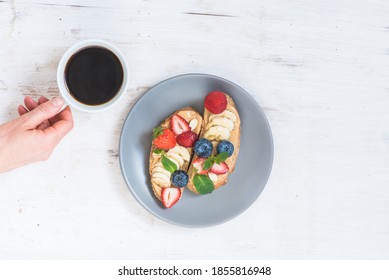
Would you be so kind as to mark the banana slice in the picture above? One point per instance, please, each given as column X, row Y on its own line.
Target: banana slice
column 226, row 114
column 161, row 182
column 159, row 169
column 221, row 121
column 176, row 158
column 173, row 160
column 161, row 176
column 217, row 133
column 183, row 152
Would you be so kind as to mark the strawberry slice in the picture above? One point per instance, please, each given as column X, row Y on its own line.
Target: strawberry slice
column 215, row 102
column 164, row 138
column 187, row 139
column 170, row 196
column 198, row 163
column 179, row 125
column 221, row 168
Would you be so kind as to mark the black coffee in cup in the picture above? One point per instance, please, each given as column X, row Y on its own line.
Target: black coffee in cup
column 94, row 75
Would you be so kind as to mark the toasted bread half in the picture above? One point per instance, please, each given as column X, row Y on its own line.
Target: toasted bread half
column 215, row 134
column 160, row 177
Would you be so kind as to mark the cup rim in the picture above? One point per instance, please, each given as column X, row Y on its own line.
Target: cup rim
column 63, row 89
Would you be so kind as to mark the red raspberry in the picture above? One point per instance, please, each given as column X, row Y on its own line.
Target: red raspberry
column 215, row 102
column 187, row 139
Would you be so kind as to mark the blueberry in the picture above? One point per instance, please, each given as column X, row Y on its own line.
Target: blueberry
column 225, row 146
column 180, row 178
column 203, row 148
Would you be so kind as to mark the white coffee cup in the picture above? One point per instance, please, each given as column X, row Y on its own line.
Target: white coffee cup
column 61, row 80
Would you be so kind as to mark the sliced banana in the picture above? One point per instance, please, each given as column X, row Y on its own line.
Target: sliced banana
column 217, row 133
column 161, row 182
column 159, row 169
column 176, row 158
column 161, row 176
column 226, row 114
column 183, row 152
column 221, row 121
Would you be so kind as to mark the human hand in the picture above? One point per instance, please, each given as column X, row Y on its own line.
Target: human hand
column 34, row 135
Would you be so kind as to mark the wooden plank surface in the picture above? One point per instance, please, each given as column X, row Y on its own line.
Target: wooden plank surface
column 319, row 69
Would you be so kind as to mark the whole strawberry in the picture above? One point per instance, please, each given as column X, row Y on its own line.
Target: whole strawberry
column 164, row 138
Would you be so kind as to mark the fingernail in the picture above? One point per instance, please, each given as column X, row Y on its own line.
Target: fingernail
column 57, row 101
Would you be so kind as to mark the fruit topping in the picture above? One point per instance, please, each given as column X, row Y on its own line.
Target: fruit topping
column 221, row 121
column 212, row 176
column 164, row 138
column 169, row 164
column 180, row 178
column 225, row 146
column 193, row 124
column 161, row 179
column 179, row 125
column 181, row 151
column 215, row 102
column 226, row 114
column 214, row 159
column 198, row 163
column 176, row 158
column 219, row 168
column 170, row 196
column 159, row 169
column 203, row 148
column 217, row 133
column 187, row 139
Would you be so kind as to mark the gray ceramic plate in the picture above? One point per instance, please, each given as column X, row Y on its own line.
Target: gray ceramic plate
column 252, row 169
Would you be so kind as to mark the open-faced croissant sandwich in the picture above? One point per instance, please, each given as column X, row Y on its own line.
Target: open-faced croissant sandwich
column 194, row 151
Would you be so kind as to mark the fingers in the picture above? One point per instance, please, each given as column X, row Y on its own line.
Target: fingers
column 42, row 112
column 42, row 100
column 22, row 110
column 63, row 124
column 48, row 122
column 30, row 103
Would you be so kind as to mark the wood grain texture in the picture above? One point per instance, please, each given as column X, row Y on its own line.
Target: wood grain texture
column 320, row 71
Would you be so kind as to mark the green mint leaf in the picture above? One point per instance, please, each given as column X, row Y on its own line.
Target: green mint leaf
column 168, row 164
column 221, row 157
column 208, row 163
column 159, row 152
column 157, row 131
column 203, row 184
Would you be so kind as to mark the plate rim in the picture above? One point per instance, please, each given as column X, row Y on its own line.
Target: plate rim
column 222, row 221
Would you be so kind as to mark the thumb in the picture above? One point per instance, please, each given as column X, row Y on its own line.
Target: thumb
column 44, row 112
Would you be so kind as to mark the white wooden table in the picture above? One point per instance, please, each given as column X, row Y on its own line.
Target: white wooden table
column 320, row 71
